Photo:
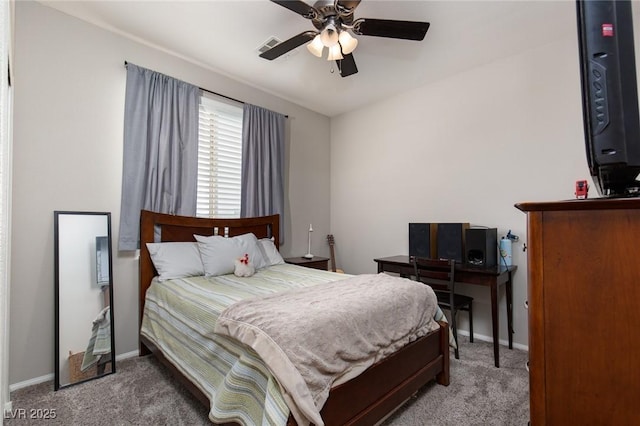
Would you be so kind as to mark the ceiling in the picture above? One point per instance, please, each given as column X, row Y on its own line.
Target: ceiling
column 224, row 36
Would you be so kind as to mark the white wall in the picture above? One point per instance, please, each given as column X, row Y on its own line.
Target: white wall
column 6, row 111
column 465, row 149
column 68, row 125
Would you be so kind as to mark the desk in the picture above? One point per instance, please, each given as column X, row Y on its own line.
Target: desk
column 468, row 274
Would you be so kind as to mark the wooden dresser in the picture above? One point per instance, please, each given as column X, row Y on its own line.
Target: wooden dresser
column 584, row 311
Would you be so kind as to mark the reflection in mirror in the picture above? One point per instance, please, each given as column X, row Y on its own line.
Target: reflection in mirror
column 84, row 296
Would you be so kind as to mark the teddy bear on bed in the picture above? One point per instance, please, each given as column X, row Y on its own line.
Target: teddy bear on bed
column 244, row 268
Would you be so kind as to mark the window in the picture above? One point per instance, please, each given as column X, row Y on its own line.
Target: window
column 219, row 159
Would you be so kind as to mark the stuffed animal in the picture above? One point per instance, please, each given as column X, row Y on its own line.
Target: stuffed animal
column 244, row 268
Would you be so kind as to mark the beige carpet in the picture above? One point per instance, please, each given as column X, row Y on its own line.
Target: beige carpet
column 143, row 393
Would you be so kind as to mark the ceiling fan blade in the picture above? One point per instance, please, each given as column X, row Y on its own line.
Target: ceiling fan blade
column 299, row 7
column 407, row 30
column 287, row 45
column 347, row 65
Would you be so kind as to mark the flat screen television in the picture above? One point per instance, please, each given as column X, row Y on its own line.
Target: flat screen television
column 610, row 95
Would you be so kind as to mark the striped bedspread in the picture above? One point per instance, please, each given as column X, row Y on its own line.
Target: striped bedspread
column 179, row 318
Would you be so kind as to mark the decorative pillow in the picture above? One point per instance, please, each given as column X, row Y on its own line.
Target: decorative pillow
column 269, row 251
column 219, row 253
column 176, row 260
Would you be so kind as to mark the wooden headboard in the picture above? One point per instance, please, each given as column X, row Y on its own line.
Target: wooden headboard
column 181, row 228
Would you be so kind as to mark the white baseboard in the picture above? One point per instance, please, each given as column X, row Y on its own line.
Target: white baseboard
column 50, row 377
column 31, row 382
column 127, row 355
column 490, row 340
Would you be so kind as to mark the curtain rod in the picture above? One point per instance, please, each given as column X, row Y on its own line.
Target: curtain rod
column 215, row 93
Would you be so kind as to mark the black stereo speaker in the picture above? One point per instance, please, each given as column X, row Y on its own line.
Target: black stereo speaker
column 422, row 239
column 481, row 246
column 450, row 238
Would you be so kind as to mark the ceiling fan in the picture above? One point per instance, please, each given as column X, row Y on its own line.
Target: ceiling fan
column 333, row 20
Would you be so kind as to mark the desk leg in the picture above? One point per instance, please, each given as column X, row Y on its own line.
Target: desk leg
column 494, row 323
column 510, row 311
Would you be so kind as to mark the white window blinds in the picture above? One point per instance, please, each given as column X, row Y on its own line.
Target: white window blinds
column 219, row 159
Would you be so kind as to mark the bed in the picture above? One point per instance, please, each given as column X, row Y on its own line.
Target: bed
column 362, row 400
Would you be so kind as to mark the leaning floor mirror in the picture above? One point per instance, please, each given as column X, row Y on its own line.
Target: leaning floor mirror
column 84, row 340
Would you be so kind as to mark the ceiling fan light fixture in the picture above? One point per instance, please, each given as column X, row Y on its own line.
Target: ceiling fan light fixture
column 347, row 42
column 316, row 47
column 329, row 35
column 334, row 53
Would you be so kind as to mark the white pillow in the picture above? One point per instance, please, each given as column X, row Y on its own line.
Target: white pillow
column 269, row 251
column 218, row 253
column 176, row 260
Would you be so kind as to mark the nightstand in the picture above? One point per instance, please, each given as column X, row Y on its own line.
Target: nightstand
column 316, row 262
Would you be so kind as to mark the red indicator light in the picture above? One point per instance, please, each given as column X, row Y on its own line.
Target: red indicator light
column 607, row 30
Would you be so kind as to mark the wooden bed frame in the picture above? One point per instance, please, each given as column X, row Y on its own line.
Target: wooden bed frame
column 364, row 400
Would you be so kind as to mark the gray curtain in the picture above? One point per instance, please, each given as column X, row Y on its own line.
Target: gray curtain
column 262, row 164
column 160, row 161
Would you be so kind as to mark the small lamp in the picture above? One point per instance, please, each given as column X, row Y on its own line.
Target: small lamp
column 329, row 35
column 347, row 42
column 334, row 53
column 309, row 255
column 316, row 47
